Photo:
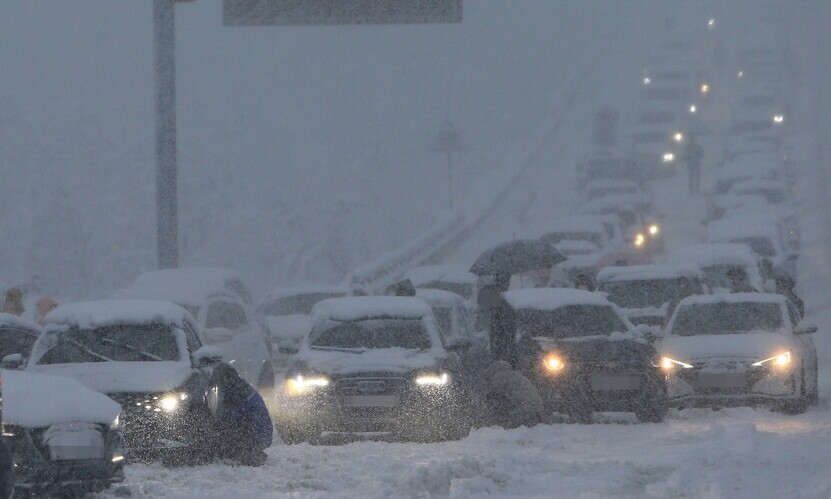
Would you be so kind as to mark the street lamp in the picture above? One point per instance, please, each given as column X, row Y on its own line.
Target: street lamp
column 448, row 142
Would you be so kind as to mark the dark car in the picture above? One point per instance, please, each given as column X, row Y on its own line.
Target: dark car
column 584, row 356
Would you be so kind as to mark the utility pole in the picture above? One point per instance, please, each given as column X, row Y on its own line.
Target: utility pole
column 448, row 142
column 167, row 218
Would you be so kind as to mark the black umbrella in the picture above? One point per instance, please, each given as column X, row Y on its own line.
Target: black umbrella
column 517, row 256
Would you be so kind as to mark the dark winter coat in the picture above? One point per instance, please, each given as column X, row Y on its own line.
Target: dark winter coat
column 242, row 416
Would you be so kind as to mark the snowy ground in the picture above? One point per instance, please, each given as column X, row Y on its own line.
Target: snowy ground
column 731, row 453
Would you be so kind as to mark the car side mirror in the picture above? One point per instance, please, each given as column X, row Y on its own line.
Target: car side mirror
column 459, row 344
column 207, row 356
column 802, row 328
column 218, row 335
column 13, row 361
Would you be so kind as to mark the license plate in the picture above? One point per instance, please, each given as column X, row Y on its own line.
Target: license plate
column 76, row 445
column 371, row 400
column 603, row 382
column 720, row 380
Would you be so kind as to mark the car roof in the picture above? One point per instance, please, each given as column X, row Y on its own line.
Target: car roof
column 552, row 298
column 734, row 298
column 11, row 320
column 713, row 254
column 439, row 297
column 182, row 294
column 729, row 229
column 102, row 313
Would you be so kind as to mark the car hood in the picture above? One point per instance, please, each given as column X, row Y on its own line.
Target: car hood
column 616, row 347
column 759, row 345
column 122, row 377
column 36, row 400
column 397, row 360
column 288, row 327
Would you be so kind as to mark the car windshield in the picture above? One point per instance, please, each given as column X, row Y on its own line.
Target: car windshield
column 762, row 246
column 124, row 343
column 224, row 314
column 459, row 288
column 716, row 276
column 727, row 318
column 641, row 293
column 296, row 304
column 571, row 321
column 371, row 334
column 14, row 340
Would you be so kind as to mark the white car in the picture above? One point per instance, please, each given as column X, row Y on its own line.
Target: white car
column 603, row 187
column 748, row 167
column 146, row 355
column 373, row 364
column 774, row 192
column 764, row 239
column 453, row 278
column 229, row 322
column 739, row 349
column 716, row 260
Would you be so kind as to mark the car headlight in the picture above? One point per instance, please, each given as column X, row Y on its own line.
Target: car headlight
column 654, row 229
column 116, row 424
column 301, row 385
column 693, row 109
column 668, row 157
column 678, row 137
column 669, row 364
column 779, row 118
column 780, row 361
column 440, row 379
column 553, row 363
column 171, row 402
column 647, row 80
column 705, row 88
column 640, row 239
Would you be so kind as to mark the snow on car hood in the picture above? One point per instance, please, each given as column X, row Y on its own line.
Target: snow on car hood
column 290, row 327
column 37, row 400
column 122, row 377
column 754, row 345
column 338, row 361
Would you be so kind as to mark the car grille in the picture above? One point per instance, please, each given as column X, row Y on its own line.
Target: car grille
column 371, row 386
column 737, row 367
column 140, row 415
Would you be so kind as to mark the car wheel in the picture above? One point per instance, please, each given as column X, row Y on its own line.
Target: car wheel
column 799, row 405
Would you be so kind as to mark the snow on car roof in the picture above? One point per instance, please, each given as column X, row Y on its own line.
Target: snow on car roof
column 447, row 273
column 435, row 297
column 552, row 298
column 365, row 307
column 733, row 298
column 758, row 183
column 647, row 272
column 101, row 313
column 18, row 322
column 713, row 254
column 749, row 169
column 182, row 294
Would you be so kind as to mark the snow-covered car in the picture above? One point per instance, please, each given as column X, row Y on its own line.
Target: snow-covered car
column 146, row 355
column 453, row 278
column 764, row 239
column 739, row 349
column 373, row 364
column 718, row 206
column 599, row 188
column 571, row 248
column 584, row 356
column 655, row 151
column 774, row 192
column 576, row 228
column 66, row 440
column 645, row 293
column 228, row 321
column 748, row 167
column 716, row 261
column 17, row 337
column 611, row 164
column 457, row 329
column 286, row 311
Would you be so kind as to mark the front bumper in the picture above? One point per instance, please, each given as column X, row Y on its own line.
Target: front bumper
column 739, row 385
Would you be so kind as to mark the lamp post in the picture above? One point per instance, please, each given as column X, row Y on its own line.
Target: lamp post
column 448, row 142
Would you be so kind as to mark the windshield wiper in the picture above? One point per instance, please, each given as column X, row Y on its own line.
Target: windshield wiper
column 88, row 351
column 131, row 348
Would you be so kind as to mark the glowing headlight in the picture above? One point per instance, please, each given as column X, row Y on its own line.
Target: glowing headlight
column 647, row 80
column 117, row 458
column 639, row 240
column 654, row 230
column 669, row 364
column 433, row 379
column 705, row 88
column 711, row 23
column 693, row 109
column 170, row 402
column 553, row 363
column 678, row 137
column 740, row 74
column 668, row 157
column 300, row 385
column 778, row 118
column 781, row 360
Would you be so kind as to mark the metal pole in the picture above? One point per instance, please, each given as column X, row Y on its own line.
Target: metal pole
column 450, row 178
column 164, row 44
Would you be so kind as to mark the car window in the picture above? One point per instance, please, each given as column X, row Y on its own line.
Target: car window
column 641, row 294
column 461, row 289
column 122, row 343
column 762, row 246
column 371, row 334
column 226, row 314
column 191, row 338
column 15, row 340
column 572, row 321
column 444, row 321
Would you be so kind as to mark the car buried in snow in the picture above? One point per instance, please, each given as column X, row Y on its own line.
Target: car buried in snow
column 584, row 356
column 146, row 355
column 739, row 349
column 373, row 366
column 65, row 439
column 718, row 261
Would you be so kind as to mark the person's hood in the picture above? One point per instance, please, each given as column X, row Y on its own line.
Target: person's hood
column 342, row 361
column 614, row 347
column 122, row 377
column 288, row 327
column 756, row 345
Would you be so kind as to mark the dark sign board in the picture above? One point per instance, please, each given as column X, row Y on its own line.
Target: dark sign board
column 321, row 12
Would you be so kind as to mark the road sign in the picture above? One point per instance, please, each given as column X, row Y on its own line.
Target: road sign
column 323, row 12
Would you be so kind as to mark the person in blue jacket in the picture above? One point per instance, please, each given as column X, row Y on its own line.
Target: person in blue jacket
column 244, row 425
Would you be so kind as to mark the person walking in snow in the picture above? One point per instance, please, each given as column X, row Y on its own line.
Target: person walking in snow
column 692, row 154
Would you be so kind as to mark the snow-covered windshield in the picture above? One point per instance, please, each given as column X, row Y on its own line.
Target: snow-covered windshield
column 716, row 276
column 760, row 245
column 296, row 305
column 726, row 318
column 571, row 321
column 14, row 340
column 444, row 321
column 125, row 343
column 225, row 314
column 371, row 334
column 641, row 294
